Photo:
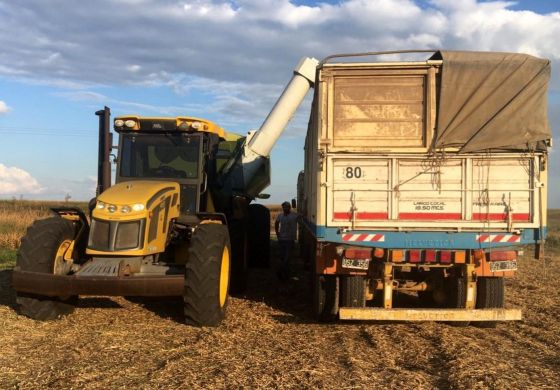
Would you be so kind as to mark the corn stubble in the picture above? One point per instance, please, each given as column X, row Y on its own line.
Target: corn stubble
column 269, row 340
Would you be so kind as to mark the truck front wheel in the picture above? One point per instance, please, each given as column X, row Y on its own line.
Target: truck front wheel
column 207, row 276
column 42, row 250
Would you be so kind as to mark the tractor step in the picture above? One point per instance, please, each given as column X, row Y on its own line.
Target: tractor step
column 100, row 267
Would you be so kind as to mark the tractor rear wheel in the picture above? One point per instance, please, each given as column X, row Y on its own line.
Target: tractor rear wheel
column 258, row 236
column 207, row 275
column 42, row 250
column 489, row 294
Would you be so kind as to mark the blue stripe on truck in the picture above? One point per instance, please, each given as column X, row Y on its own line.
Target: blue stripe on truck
column 425, row 240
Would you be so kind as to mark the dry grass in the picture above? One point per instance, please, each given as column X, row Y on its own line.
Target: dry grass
column 16, row 216
column 269, row 340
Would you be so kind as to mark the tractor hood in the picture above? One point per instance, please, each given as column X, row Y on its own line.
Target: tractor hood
column 145, row 192
column 132, row 218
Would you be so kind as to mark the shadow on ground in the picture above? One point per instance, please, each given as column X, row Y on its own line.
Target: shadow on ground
column 8, row 296
column 290, row 297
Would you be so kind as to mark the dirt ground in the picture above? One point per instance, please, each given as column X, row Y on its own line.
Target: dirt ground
column 269, row 340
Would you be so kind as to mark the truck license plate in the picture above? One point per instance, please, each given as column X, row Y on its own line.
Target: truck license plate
column 510, row 265
column 355, row 263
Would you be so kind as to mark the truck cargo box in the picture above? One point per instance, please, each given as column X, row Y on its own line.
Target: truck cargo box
column 424, row 177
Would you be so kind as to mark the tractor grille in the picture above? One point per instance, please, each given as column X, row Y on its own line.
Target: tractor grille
column 116, row 236
column 128, row 234
column 99, row 235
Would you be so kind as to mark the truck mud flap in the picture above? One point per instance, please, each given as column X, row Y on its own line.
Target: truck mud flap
column 380, row 314
column 62, row 285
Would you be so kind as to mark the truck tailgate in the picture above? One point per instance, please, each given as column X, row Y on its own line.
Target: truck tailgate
column 461, row 192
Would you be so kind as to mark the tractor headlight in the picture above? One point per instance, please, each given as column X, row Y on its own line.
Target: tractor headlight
column 134, row 207
column 138, row 207
column 100, row 205
column 119, row 123
column 130, row 123
column 111, row 208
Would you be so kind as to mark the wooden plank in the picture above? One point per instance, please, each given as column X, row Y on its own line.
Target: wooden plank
column 379, row 314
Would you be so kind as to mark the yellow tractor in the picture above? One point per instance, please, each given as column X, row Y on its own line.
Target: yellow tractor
column 177, row 222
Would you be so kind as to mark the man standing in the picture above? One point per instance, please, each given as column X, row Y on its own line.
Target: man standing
column 286, row 231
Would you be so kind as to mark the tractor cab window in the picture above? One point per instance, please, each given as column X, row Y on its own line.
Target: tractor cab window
column 170, row 156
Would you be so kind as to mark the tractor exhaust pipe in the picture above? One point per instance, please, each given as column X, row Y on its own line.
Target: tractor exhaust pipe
column 105, row 145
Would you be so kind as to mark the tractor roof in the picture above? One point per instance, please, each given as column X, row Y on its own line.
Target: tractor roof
column 144, row 124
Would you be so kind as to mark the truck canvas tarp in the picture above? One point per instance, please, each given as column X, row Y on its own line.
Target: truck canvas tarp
column 492, row 101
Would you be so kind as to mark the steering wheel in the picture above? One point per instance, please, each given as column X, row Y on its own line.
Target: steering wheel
column 167, row 171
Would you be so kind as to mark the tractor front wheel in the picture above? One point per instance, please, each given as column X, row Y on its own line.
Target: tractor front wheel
column 42, row 250
column 207, row 276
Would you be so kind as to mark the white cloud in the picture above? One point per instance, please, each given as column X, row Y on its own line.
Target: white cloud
column 238, row 54
column 4, row 108
column 245, row 40
column 15, row 181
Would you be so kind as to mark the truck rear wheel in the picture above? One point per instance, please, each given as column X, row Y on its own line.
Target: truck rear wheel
column 207, row 275
column 325, row 297
column 42, row 250
column 456, row 294
column 353, row 291
column 258, row 236
column 489, row 294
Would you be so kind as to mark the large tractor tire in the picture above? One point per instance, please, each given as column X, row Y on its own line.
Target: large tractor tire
column 325, row 297
column 489, row 295
column 239, row 264
column 207, row 276
column 42, row 250
column 258, row 236
column 352, row 291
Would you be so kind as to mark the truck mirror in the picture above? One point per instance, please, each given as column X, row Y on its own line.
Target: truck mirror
column 294, row 204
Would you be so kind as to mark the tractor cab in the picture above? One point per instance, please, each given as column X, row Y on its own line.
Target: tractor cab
column 184, row 150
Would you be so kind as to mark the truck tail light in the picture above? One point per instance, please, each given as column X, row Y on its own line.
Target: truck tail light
column 414, row 256
column 378, row 253
column 445, row 257
column 501, row 255
column 460, row 257
column 430, row 256
column 397, row 256
column 357, row 253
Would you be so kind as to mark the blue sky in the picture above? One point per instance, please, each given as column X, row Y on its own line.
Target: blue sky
column 224, row 60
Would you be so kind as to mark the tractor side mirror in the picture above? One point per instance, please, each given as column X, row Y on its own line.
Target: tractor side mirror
column 294, row 204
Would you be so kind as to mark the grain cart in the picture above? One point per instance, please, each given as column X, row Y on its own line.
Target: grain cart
column 174, row 224
column 423, row 179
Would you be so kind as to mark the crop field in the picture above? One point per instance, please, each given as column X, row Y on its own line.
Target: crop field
column 269, row 339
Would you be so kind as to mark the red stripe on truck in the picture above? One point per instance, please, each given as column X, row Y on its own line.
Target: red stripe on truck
column 364, row 215
column 430, row 216
column 500, row 216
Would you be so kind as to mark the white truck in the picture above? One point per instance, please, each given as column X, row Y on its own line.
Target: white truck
column 423, row 178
